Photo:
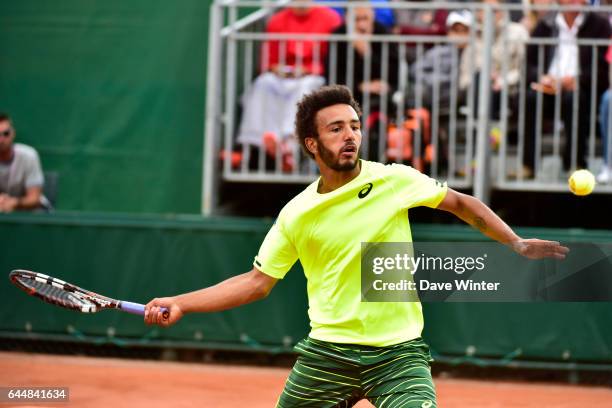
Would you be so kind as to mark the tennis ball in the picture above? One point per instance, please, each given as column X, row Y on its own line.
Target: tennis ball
column 581, row 182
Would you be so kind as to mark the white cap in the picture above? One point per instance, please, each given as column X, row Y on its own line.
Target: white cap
column 463, row 17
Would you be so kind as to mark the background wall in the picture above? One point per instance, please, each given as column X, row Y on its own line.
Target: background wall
column 111, row 93
column 138, row 258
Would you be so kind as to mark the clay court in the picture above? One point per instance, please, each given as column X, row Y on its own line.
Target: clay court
column 106, row 382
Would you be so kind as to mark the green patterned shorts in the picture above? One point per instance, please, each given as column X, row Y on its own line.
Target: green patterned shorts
column 338, row 375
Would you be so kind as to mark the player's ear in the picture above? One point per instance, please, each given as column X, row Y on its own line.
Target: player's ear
column 311, row 144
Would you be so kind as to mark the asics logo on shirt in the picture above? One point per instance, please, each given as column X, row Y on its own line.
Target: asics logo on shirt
column 365, row 190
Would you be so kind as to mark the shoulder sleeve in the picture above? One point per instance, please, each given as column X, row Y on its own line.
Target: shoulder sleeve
column 33, row 170
column 275, row 22
column 277, row 253
column 333, row 18
column 415, row 188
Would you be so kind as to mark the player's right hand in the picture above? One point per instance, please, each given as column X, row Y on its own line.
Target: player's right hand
column 154, row 314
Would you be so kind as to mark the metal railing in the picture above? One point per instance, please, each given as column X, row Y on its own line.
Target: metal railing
column 439, row 122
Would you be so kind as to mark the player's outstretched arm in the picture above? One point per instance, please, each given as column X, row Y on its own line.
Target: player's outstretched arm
column 477, row 214
column 230, row 293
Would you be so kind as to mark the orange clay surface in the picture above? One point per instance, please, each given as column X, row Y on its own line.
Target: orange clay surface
column 117, row 383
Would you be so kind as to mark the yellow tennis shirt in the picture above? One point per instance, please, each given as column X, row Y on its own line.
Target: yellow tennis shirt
column 325, row 232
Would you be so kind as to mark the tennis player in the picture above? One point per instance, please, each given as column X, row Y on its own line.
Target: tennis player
column 355, row 349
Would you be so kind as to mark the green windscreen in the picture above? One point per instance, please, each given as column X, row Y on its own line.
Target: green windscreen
column 137, row 258
column 111, row 93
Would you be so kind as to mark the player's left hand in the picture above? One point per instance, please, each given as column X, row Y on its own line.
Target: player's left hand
column 538, row 248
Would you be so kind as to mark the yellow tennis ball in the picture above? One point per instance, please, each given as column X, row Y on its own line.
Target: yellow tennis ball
column 581, row 182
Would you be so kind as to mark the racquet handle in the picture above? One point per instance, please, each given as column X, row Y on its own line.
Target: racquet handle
column 139, row 309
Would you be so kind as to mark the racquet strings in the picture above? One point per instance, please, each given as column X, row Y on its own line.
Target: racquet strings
column 53, row 294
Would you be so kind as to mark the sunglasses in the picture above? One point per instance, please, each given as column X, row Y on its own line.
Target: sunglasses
column 6, row 133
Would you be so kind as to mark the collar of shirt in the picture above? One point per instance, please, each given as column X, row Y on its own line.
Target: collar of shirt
column 567, row 30
column 565, row 60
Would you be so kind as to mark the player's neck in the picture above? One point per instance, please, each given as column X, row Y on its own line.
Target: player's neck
column 333, row 179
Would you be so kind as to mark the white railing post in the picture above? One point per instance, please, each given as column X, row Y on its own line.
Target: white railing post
column 210, row 177
column 482, row 176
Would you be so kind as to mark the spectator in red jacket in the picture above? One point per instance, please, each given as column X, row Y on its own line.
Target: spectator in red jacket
column 289, row 69
column 301, row 57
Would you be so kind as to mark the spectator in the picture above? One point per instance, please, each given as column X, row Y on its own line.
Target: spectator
column 378, row 85
column 458, row 24
column 301, row 57
column 605, row 175
column 509, row 45
column 427, row 21
column 375, row 85
column 532, row 17
column 445, row 66
column 21, row 177
column 290, row 69
column 508, row 48
column 382, row 15
column 567, row 68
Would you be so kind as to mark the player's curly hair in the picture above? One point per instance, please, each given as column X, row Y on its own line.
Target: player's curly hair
column 311, row 104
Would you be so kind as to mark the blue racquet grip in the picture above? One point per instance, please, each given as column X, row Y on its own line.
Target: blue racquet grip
column 137, row 308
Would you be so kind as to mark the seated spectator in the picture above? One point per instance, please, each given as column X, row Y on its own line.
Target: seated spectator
column 382, row 15
column 446, row 66
column 508, row 48
column 377, row 86
column 566, row 66
column 289, row 69
column 436, row 66
column 429, row 21
column 532, row 17
column 605, row 113
column 21, row 177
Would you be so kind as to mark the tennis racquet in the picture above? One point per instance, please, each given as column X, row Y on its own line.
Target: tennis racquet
column 64, row 294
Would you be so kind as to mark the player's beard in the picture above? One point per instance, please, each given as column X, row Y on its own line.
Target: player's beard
column 332, row 160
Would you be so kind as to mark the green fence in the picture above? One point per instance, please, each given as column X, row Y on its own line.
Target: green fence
column 137, row 258
column 111, row 93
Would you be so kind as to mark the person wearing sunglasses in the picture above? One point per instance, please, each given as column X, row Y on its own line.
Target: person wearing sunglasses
column 21, row 177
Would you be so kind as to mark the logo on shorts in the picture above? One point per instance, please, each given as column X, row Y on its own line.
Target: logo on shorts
column 365, row 190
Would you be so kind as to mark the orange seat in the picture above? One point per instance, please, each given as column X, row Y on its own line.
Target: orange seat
column 400, row 140
column 235, row 157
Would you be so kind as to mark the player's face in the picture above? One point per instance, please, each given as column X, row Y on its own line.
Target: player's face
column 339, row 137
column 7, row 134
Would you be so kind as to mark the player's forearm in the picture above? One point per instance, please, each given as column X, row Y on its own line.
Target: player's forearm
column 230, row 293
column 478, row 215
